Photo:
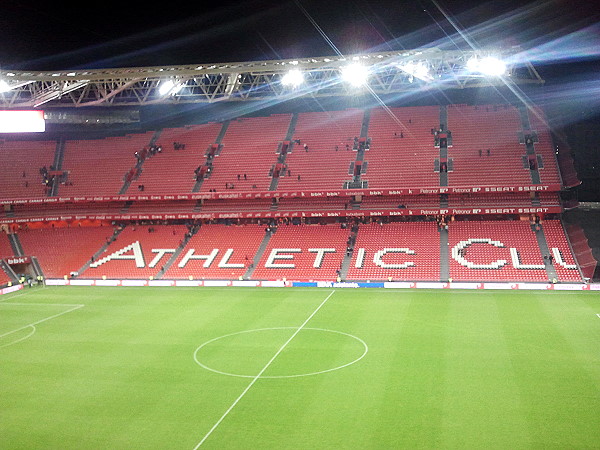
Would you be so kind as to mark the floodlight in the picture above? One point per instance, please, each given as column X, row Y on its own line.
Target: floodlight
column 169, row 87
column 417, row 70
column 355, row 74
column 487, row 66
column 4, row 86
column 293, row 78
column 473, row 64
column 492, row 66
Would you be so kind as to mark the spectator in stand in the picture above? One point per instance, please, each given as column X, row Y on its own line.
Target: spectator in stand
column 298, row 177
column 306, row 147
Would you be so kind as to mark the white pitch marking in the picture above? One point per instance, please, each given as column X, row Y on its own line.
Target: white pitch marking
column 598, row 315
column 31, row 333
column 364, row 344
column 214, row 427
column 42, row 320
column 41, row 304
column 19, row 293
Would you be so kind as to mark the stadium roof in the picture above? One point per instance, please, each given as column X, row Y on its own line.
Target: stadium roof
column 385, row 73
column 65, row 56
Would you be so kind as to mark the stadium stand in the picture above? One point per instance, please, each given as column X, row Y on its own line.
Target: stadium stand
column 396, row 148
column 22, row 162
column 182, row 150
column 218, row 251
column 581, row 248
column 303, row 253
column 399, row 251
column 320, row 165
column 99, row 167
column 4, row 278
column 62, row 251
column 248, row 148
column 563, row 261
column 407, row 161
column 477, row 129
column 503, row 250
column 5, row 248
column 137, row 252
column 544, row 147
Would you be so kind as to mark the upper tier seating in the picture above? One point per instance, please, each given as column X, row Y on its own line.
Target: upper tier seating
column 495, row 251
column 303, row 252
column 172, row 170
column 225, row 252
column 249, row 147
column 136, row 253
column 476, row 128
column 98, row 167
column 322, row 167
column 61, row 251
column 402, row 251
column 21, row 163
column 407, row 161
column 549, row 173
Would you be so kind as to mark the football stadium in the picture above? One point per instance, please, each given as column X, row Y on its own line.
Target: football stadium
column 378, row 227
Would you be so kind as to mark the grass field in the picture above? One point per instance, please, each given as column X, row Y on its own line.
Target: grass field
column 224, row 368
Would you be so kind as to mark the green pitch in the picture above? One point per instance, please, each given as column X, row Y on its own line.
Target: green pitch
column 180, row 368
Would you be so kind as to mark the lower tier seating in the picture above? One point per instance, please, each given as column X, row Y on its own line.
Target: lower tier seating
column 61, row 251
column 478, row 251
column 401, row 251
column 138, row 252
column 562, row 259
column 218, row 252
column 5, row 248
column 495, row 251
column 305, row 252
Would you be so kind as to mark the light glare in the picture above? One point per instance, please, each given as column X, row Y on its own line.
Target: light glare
column 4, row 86
column 487, row 66
column 169, row 87
column 293, row 78
column 355, row 74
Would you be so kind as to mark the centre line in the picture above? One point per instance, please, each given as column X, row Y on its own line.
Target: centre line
column 261, row 372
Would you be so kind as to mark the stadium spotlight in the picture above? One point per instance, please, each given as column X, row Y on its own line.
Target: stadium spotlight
column 489, row 66
column 293, row 78
column 355, row 74
column 4, row 86
column 416, row 70
column 169, row 87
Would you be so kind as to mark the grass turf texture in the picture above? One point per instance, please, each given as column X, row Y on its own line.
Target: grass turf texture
column 445, row 369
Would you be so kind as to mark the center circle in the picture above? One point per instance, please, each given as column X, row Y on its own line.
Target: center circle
column 218, row 347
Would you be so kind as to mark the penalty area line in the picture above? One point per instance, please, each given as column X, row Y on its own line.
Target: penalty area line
column 41, row 320
column 214, row 427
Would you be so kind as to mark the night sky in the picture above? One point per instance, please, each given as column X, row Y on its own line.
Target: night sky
column 64, row 35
